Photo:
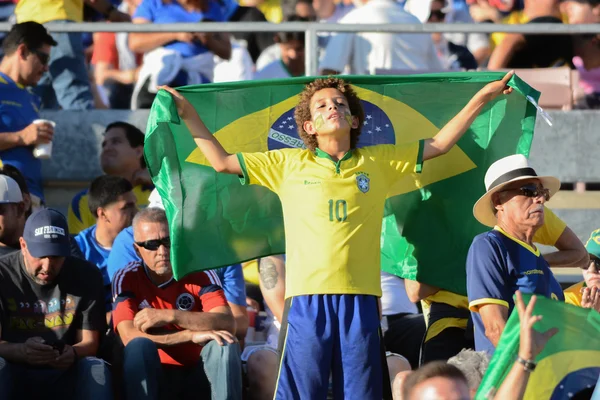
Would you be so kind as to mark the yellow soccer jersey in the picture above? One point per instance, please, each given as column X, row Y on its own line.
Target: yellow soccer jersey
column 79, row 216
column 42, row 11
column 553, row 227
column 573, row 294
column 332, row 212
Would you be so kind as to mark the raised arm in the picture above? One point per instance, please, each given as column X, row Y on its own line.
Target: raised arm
column 453, row 130
column 216, row 155
column 531, row 344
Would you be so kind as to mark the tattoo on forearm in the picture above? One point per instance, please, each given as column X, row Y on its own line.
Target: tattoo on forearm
column 268, row 273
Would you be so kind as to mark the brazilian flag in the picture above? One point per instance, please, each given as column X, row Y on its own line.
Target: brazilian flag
column 569, row 363
column 215, row 221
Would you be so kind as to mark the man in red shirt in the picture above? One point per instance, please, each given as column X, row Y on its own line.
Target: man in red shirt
column 178, row 335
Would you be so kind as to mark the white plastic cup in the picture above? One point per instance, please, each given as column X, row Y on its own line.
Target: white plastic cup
column 43, row 151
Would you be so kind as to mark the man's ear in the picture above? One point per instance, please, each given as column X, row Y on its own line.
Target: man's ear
column 309, row 127
column 136, row 248
column 139, row 151
column 100, row 213
column 496, row 202
column 355, row 122
column 22, row 243
column 22, row 51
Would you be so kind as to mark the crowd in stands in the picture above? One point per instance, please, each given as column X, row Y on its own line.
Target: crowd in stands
column 89, row 307
column 123, row 71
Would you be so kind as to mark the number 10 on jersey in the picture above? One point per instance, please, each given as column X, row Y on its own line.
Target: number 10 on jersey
column 338, row 210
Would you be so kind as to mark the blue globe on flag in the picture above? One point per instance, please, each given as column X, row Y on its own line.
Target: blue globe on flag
column 377, row 129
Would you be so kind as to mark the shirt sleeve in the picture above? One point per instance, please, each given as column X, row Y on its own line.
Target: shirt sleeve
column 125, row 303
column 487, row 274
column 122, row 253
column 146, row 10
column 338, row 52
column 553, row 227
column 397, row 161
column 105, row 49
column 573, row 295
column 264, row 168
column 210, row 294
column 234, row 285
column 93, row 314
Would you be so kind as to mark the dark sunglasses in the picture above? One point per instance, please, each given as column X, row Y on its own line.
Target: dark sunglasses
column 596, row 263
column 438, row 14
column 531, row 190
column 43, row 57
column 154, row 244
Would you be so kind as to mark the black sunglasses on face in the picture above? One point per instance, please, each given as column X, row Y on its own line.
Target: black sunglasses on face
column 154, row 244
column 532, row 190
column 43, row 57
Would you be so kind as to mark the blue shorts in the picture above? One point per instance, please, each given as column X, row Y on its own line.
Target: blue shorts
column 331, row 335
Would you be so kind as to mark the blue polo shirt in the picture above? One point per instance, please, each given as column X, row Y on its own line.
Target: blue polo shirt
column 159, row 12
column 230, row 278
column 497, row 266
column 97, row 255
column 19, row 108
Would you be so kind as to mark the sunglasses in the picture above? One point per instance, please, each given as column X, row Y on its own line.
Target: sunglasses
column 43, row 57
column 154, row 244
column 531, row 190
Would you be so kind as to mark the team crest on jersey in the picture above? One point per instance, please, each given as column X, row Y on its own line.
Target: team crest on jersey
column 363, row 183
column 185, row 302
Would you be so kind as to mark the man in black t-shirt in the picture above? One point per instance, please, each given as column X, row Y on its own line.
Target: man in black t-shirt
column 51, row 317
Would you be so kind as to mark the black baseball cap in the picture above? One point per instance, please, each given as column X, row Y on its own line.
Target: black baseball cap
column 47, row 234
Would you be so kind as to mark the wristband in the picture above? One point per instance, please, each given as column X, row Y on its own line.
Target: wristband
column 528, row 365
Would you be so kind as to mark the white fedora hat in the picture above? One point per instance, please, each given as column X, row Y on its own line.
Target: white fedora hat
column 502, row 172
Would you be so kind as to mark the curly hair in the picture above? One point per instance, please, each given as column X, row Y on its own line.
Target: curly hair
column 302, row 112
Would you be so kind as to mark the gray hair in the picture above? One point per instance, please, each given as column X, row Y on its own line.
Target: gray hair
column 155, row 215
column 473, row 364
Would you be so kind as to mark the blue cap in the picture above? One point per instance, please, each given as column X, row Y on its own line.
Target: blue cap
column 47, row 234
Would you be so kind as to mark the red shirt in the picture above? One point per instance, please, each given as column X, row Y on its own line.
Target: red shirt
column 105, row 49
column 133, row 290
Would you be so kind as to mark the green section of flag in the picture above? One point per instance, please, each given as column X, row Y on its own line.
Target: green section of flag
column 215, row 221
column 569, row 363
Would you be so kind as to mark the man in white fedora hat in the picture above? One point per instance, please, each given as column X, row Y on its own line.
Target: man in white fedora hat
column 505, row 259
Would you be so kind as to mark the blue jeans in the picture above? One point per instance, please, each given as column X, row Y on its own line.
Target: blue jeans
column 218, row 372
column 89, row 378
column 66, row 83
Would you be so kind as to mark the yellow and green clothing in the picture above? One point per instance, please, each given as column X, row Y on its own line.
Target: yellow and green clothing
column 332, row 212
column 447, row 313
column 573, row 293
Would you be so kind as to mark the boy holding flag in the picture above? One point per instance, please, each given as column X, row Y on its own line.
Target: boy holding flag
column 333, row 197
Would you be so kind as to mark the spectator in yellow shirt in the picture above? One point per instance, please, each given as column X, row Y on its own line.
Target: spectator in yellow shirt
column 586, row 293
